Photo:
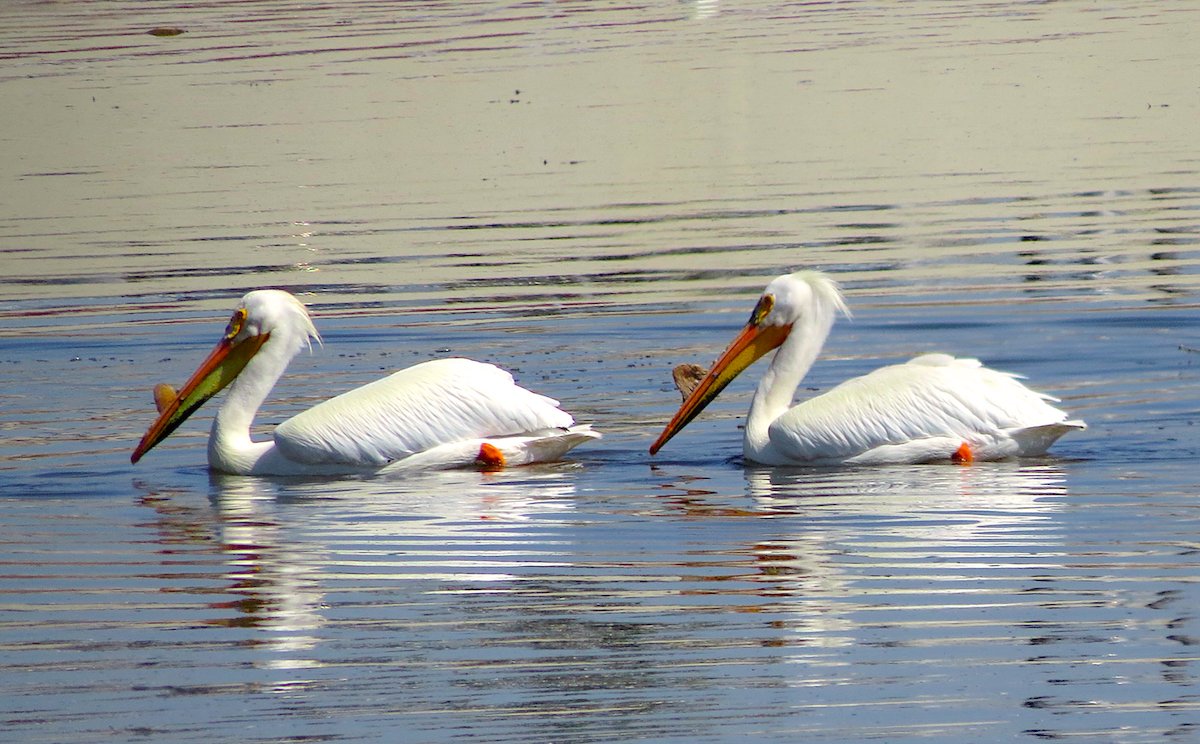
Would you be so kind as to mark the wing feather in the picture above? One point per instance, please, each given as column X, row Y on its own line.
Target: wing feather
column 414, row 410
column 931, row 396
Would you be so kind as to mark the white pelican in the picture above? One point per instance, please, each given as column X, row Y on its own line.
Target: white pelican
column 934, row 407
column 438, row 414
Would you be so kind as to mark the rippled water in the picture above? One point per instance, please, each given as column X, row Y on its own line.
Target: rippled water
column 588, row 194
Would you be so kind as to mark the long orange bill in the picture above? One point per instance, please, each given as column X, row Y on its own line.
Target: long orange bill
column 217, row 371
column 751, row 343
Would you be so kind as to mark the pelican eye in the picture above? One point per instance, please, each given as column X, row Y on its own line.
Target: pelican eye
column 762, row 309
column 235, row 323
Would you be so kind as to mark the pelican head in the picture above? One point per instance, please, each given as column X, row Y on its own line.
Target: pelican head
column 262, row 316
column 805, row 303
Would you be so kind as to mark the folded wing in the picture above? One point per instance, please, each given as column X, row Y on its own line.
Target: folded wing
column 414, row 410
column 932, row 396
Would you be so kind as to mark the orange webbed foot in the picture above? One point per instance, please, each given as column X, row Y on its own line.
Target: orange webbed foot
column 490, row 457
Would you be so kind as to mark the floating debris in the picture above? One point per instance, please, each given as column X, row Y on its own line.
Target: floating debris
column 166, row 31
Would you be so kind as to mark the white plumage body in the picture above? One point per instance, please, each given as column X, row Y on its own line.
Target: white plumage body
column 419, row 409
column 923, row 410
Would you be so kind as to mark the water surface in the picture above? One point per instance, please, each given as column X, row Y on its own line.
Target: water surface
column 588, row 194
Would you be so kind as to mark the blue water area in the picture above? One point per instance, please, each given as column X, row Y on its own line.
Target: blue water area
column 589, row 194
column 614, row 595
